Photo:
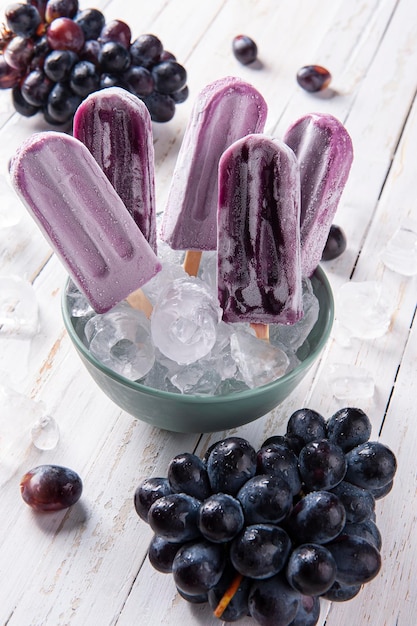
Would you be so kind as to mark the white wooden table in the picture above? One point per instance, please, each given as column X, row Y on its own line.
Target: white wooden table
column 88, row 565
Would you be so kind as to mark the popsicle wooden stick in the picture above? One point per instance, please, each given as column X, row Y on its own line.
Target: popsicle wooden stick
column 140, row 302
column 192, row 261
column 261, row 331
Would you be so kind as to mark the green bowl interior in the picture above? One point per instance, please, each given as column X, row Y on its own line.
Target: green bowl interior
column 192, row 413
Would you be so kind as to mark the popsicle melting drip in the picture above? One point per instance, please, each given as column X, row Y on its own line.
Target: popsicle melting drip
column 259, row 277
column 224, row 111
column 116, row 128
column 325, row 153
column 83, row 218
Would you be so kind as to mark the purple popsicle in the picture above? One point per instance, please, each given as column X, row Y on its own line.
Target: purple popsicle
column 325, row 153
column 83, row 218
column 259, row 277
column 224, row 111
column 116, row 127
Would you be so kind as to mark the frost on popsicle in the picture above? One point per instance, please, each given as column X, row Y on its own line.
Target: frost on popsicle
column 224, row 111
column 324, row 150
column 116, row 128
column 259, row 278
column 83, row 218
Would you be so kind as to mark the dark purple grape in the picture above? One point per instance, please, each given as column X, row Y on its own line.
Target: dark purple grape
column 318, row 518
column 146, row 50
column 322, row 465
column 220, row 518
column 371, row 465
column 181, row 95
column 349, row 427
column 335, row 244
column 237, row 607
column 311, row 569
column 381, row 492
column 9, row 76
column 91, row 22
column 114, row 58
column 260, row 550
column 21, row 105
column 139, row 80
column 265, row 499
column 58, row 64
column 167, row 56
column 230, row 464
column 313, row 78
column 40, row 5
column 308, row 612
column 188, row 474
column 160, row 106
column 148, row 492
column 161, row 554
column 200, row 598
column 65, row 34
column 84, row 78
column 277, row 459
column 339, row 592
column 116, row 30
column 276, row 439
column 19, row 52
column 22, row 19
column 244, row 49
column 60, row 8
column 108, row 80
column 198, row 567
column 91, row 51
column 169, row 77
column 367, row 529
column 174, row 517
column 51, row 488
column 359, row 503
column 357, row 560
column 40, row 52
column 303, row 426
column 36, row 88
column 273, row 601
column 62, row 104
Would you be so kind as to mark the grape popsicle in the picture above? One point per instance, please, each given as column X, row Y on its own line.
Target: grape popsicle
column 324, row 151
column 116, row 128
column 224, row 111
column 83, row 218
column 259, row 275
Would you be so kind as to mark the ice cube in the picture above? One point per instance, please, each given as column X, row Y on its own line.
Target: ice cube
column 18, row 414
column 400, row 253
column 121, row 340
column 45, row 433
column 349, row 382
column 184, row 320
column 363, row 310
column 78, row 305
column 259, row 362
column 292, row 336
column 19, row 311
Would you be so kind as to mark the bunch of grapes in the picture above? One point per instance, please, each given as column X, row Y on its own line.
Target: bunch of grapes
column 268, row 533
column 53, row 55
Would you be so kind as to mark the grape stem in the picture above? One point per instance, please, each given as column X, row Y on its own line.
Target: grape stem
column 228, row 595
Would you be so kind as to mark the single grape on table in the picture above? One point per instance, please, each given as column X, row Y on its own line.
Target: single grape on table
column 53, row 55
column 267, row 533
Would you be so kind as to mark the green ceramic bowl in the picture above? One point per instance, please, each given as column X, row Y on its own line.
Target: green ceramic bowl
column 196, row 414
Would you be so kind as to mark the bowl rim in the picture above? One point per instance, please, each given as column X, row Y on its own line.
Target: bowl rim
column 195, row 398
